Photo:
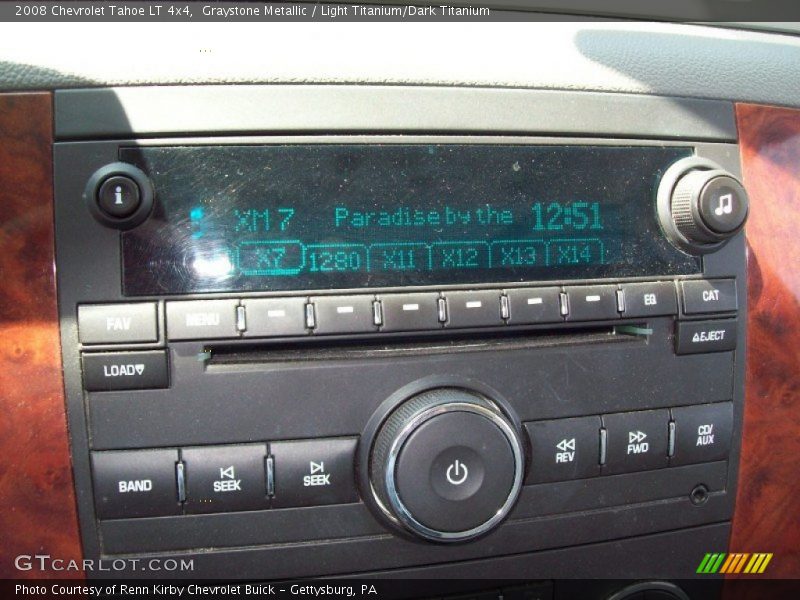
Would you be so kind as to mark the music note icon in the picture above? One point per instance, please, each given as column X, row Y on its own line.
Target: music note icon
column 725, row 205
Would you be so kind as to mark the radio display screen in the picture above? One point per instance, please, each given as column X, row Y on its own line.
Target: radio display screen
column 333, row 216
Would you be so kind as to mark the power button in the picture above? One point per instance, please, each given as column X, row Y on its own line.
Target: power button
column 457, row 473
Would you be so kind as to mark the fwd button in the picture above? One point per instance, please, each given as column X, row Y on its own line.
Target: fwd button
column 636, row 441
column 109, row 371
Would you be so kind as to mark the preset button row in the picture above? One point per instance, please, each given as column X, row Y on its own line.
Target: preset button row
column 326, row 315
column 211, row 479
column 581, row 447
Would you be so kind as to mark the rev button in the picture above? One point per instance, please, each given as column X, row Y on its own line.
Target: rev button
column 109, row 371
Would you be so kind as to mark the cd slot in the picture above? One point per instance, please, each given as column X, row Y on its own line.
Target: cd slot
column 379, row 347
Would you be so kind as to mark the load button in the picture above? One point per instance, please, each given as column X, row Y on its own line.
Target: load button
column 109, row 371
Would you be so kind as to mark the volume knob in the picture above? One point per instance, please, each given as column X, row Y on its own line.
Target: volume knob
column 447, row 465
column 701, row 205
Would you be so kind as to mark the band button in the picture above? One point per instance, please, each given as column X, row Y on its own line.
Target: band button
column 135, row 483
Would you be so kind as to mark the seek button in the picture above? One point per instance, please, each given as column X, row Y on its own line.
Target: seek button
column 225, row 478
column 314, row 472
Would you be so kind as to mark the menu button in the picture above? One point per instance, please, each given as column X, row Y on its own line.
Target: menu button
column 202, row 319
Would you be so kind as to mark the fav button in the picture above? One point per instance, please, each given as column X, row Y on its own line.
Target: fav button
column 225, row 478
column 109, row 371
column 314, row 472
column 636, row 441
column 709, row 296
column 135, row 483
column 564, row 449
column 202, row 319
column 117, row 323
column 702, row 433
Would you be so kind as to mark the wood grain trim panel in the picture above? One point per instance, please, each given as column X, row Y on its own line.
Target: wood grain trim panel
column 767, row 515
column 37, row 498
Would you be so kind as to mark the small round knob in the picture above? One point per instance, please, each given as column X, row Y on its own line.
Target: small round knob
column 447, row 465
column 119, row 196
column 701, row 205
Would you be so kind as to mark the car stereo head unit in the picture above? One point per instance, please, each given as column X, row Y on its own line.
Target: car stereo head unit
column 417, row 349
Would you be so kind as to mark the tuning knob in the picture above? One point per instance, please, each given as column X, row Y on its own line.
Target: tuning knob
column 701, row 205
column 447, row 465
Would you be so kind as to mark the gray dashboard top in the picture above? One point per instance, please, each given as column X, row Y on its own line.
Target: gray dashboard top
column 632, row 57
